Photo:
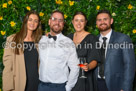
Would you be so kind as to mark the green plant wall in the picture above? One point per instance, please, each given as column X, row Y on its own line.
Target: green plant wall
column 13, row 11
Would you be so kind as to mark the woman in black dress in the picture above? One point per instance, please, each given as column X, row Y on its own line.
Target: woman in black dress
column 21, row 59
column 86, row 47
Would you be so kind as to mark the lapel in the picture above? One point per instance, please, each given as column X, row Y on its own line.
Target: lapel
column 111, row 41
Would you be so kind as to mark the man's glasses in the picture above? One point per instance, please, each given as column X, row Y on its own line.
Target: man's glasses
column 55, row 19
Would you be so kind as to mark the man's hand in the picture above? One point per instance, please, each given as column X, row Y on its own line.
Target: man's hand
column 47, row 34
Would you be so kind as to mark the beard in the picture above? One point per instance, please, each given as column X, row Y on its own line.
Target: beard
column 104, row 28
column 56, row 30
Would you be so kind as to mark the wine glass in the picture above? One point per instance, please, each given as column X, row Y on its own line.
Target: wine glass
column 82, row 61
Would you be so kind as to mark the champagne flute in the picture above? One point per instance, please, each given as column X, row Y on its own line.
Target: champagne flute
column 82, row 61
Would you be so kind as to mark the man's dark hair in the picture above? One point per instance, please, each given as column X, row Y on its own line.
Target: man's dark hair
column 104, row 11
column 57, row 11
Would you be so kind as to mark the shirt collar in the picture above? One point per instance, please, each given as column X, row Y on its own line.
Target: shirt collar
column 58, row 35
column 107, row 36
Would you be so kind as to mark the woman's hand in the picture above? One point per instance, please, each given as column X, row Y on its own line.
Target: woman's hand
column 85, row 67
column 89, row 66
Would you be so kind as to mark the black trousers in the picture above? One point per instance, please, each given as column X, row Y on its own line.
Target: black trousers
column 101, row 85
column 51, row 87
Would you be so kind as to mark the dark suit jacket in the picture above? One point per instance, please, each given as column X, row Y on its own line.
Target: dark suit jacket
column 119, row 64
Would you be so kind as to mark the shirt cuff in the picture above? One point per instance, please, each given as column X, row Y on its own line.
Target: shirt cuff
column 68, row 88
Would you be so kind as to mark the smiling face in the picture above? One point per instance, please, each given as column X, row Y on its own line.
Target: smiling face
column 56, row 23
column 32, row 22
column 104, row 22
column 79, row 22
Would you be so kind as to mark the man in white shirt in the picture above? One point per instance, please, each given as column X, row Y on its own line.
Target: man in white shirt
column 58, row 58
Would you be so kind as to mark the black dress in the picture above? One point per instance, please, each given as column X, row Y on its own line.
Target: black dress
column 87, row 49
column 31, row 65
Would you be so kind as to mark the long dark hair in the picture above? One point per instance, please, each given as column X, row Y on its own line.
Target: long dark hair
column 20, row 36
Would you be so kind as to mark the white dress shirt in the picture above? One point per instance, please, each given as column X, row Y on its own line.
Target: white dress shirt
column 107, row 42
column 56, row 58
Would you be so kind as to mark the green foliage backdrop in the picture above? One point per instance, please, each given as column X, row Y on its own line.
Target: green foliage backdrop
column 13, row 11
